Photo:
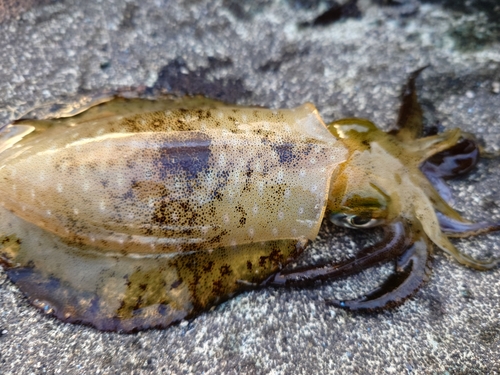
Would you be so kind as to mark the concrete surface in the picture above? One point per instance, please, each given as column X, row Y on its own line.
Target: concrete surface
column 256, row 53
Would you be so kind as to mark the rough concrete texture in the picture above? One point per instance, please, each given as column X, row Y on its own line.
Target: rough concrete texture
column 256, row 53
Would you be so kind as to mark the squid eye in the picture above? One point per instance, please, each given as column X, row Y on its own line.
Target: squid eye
column 362, row 222
column 354, row 221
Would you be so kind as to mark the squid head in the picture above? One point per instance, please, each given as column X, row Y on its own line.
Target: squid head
column 395, row 181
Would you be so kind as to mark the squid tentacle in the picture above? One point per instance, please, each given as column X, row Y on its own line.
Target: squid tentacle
column 454, row 228
column 409, row 123
column 441, row 187
column 412, row 270
column 455, row 161
column 394, row 243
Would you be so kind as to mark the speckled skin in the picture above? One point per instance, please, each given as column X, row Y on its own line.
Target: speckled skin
column 138, row 213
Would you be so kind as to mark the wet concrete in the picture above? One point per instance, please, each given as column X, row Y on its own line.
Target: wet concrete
column 276, row 54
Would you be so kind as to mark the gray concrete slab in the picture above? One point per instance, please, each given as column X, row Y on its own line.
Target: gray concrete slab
column 254, row 53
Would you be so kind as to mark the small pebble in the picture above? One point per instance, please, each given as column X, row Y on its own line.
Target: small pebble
column 495, row 87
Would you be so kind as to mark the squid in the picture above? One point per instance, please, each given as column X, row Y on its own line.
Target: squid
column 136, row 213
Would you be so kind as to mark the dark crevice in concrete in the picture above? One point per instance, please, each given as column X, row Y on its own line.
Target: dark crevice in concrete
column 335, row 13
column 175, row 77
